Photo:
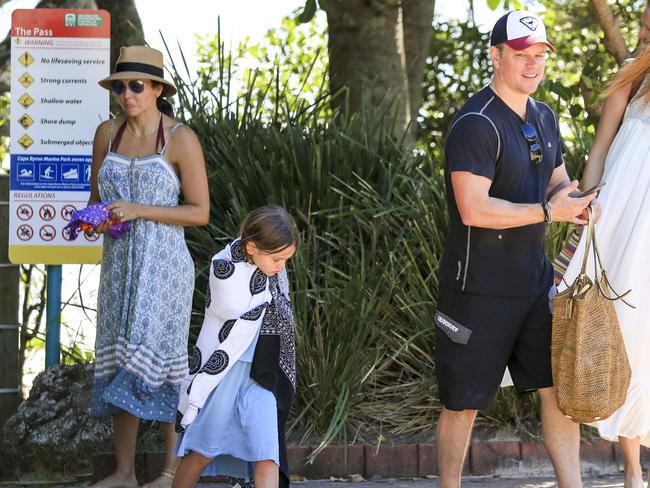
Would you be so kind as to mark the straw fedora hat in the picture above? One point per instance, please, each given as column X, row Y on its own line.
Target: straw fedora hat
column 140, row 63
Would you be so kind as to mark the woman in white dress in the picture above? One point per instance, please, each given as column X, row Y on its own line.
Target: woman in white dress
column 620, row 156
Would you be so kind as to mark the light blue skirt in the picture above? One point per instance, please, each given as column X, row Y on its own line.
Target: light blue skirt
column 237, row 426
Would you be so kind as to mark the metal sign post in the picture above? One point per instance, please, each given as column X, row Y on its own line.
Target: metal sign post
column 53, row 315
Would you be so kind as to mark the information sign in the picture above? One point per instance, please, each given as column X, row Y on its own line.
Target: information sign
column 57, row 58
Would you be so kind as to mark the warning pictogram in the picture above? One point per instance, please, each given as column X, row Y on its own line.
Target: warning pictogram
column 47, row 212
column 26, row 80
column 26, row 121
column 26, row 141
column 91, row 237
column 24, row 212
column 25, row 232
column 66, row 211
column 26, row 100
column 47, row 232
column 26, row 59
column 65, row 233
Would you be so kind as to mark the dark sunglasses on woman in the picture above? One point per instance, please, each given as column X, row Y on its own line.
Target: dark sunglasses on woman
column 535, row 149
column 118, row 86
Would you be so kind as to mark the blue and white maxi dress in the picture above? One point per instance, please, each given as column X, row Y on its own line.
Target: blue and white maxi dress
column 145, row 295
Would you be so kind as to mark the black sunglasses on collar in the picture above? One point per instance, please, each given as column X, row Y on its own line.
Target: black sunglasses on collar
column 535, row 149
column 136, row 86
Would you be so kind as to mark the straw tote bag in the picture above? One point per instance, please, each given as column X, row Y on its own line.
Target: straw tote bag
column 591, row 372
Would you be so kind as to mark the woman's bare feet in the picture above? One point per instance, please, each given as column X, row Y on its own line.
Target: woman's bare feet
column 633, row 479
column 163, row 481
column 117, row 480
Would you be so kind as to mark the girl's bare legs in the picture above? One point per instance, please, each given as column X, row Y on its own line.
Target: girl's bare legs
column 189, row 470
column 125, row 431
column 171, row 461
column 631, row 449
column 267, row 474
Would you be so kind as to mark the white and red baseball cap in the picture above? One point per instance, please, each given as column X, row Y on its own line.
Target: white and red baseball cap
column 519, row 30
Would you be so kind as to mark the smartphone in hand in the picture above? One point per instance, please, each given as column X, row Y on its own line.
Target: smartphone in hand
column 593, row 189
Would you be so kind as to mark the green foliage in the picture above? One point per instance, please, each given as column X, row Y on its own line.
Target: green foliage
column 73, row 354
column 308, row 12
column 310, row 9
column 506, row 4
column 4, row 129
column 287, row 70
column 36, row 343
column 364, row 282
column 458, row 66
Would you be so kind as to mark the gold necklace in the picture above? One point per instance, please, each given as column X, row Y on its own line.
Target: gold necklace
column 147, row 134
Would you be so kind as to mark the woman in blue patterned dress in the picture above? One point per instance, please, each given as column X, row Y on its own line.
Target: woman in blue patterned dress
column 142, row 162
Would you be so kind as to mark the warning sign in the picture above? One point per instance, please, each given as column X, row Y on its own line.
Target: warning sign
column 47, row 232
column 26, row 80
column 57, row 58
column 25, row 232
column 47, row 212
column 26, row 100
column 26, row 141
column 65, row 233
column 26, row 59
column 26, row 121
column 66, row 212
column 24, row 212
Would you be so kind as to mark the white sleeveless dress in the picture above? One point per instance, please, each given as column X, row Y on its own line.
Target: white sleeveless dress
column 623, row 236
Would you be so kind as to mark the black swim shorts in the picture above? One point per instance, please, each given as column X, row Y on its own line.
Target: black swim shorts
column 477, row 336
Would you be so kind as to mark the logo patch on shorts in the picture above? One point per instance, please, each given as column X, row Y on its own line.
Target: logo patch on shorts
column 457, row 333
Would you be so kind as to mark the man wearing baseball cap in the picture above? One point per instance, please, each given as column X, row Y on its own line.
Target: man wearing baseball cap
column 503, row 156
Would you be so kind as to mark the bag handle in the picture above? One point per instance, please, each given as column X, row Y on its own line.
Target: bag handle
column 583, row 283
column 588, row 244
column 598, row 264
column 596, row 252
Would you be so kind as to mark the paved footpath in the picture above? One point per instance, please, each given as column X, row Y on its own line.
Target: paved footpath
column 613, row 481
column 471, row 482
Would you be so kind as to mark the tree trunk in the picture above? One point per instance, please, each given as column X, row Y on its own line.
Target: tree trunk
column 418, row 17
column 126, row 27
column 366, row 55
column 614, row 41
column 377, row 50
